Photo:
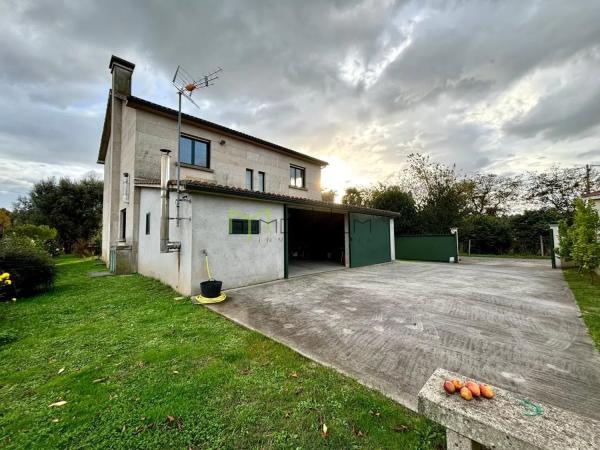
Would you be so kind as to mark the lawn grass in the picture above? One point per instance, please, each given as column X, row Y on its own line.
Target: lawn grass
column 587, row 294
column 140, row 368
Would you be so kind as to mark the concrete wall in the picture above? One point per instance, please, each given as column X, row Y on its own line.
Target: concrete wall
column 228, row 162
column 106, row 207
column 174, row 268
column 346, row 241
column 235, row 259
column 596, row 203
column 127, row 194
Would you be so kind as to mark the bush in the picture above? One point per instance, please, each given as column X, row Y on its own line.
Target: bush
column 527, row 228
column 83, row 248
column 581, row 242
column 488, row 234
column 31, row 269
column 42, row 236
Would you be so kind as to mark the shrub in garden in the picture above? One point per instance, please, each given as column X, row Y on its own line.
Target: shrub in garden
column 30, row 269
column 42, row 236
column 83, row 248
column 580, row 242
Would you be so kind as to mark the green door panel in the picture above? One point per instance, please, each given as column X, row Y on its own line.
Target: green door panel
column 369, row 239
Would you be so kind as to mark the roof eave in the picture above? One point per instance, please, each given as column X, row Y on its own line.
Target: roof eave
column 216, row 189
column 279, row 198
column 105, row 130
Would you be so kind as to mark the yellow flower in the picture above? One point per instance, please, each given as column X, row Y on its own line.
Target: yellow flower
column 8, row 282
column 5, row 275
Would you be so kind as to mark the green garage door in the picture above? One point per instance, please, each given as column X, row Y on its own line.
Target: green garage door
column 369, row 239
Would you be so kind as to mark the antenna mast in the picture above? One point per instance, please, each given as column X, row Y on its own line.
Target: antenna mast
column 186, row 85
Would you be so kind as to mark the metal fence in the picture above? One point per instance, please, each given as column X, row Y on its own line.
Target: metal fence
column 427, row 247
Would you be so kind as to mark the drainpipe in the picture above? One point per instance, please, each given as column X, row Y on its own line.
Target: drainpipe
column 166, row 246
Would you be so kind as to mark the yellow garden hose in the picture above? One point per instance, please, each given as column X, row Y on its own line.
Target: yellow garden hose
column 207, row 268
column 199, row 299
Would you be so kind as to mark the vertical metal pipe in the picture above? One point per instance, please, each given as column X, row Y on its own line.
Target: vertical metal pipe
column 165, row 167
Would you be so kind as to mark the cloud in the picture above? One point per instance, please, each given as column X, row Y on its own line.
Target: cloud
column 488, row 85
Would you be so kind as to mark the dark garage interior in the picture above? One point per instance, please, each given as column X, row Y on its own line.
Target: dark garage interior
column 315, row 241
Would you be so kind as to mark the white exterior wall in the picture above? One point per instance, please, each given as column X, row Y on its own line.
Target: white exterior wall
column 106, row 206
column 596, row 203
column 228, row 162
column 236, row 259
column 346, row 241
column 556, row 237
column 128, row 137
column 173, row 268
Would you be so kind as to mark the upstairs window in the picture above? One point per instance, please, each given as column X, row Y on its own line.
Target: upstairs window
column 297, row 174
column 261, row 182
column 249, row 179
column 147, row 223
column 244, row 226
column 195, row 152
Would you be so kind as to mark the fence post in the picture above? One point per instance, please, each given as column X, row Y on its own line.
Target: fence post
column 454, row 231
column 541, row 245
column 469, row 247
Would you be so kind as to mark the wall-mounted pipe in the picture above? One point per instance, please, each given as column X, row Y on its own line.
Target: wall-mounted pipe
column 165, row 168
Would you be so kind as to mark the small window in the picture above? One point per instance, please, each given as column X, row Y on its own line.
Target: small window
column 195, row 152
column 147, row 223
column 240, row 226
column 261, row 181
column 297, row 176
column 123, row 223
column 249, row 179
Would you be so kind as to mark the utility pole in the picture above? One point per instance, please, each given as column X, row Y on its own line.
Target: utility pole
column 588, row 177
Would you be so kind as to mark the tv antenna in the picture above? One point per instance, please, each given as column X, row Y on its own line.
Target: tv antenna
column 186, row 85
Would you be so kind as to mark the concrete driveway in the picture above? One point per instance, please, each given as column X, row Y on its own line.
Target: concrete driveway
column 512, row 323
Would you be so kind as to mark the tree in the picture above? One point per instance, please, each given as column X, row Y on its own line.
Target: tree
column 328, row 195
column 528, row 226
column 355, row 197
column 444, row 196
column 393, row 198
column 557, row 188
column 74, row 208
column 5, row 220
column 583, row 237
column 488, row 234
column 492, row 194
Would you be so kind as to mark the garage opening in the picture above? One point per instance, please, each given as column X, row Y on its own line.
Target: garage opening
column 315, row 242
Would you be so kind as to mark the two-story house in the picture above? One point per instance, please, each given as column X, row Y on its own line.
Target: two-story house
column 253, row 206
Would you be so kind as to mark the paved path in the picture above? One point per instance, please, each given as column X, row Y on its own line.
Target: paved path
column 512, row 323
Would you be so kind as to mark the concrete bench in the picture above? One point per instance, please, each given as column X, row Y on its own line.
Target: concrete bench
column 502, row 422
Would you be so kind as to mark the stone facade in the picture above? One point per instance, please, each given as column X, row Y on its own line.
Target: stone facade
column 130, row 149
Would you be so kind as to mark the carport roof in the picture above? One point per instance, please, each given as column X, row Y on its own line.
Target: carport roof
column 211, row 188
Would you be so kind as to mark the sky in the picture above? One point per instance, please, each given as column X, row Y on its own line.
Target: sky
column 491, row 86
